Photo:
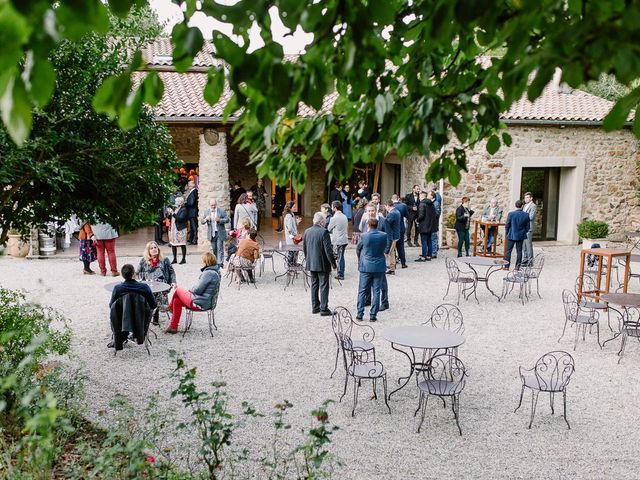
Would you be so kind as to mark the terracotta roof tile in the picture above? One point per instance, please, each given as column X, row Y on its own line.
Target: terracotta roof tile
column 159, row 53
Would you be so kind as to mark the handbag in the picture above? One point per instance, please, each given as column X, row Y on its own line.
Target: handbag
column 297, row 239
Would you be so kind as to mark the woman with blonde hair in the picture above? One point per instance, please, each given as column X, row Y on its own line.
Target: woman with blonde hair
column 202, row 296
column 156, row 268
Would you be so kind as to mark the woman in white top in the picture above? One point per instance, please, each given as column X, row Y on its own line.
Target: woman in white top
column 290, row 230
column 245, row 210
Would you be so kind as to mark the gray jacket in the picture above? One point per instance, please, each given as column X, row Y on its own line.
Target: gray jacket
column 338, row 226
column 487, row 211
column 290, row 228
column 104, row 231
column 531, row 208
column 245, row 210
column 219, row 229
column 205, row 292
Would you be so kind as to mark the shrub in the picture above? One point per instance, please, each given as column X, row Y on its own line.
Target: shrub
column 451, row 221
column 593, row 229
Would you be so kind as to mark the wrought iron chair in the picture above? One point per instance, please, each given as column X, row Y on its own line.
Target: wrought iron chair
column 265, row 253
column 189, row 320
column 245, row 274
column 586, row 303
column 444, row 376
column 630, row 327
column 360, row 367
column 517, row 277
column 534, row 271
column 342, row 321
column 551, row 374
column 465, row 280
column 294, row 266
column 446, row 317
column 575, row 314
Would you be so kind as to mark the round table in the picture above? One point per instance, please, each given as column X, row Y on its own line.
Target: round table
column 156, row 287
column 492, row 265
column 623, row 300
column 420, row 338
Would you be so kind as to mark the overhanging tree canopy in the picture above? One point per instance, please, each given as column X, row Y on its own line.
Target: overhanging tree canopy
column 407, row 73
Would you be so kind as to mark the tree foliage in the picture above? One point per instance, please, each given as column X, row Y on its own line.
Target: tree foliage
column 78, row 161
column 410, row 76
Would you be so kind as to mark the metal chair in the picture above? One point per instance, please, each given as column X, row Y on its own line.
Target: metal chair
column 589, row 285
column 342, row 321
column 265, row 253
column 516, row 277
column 534, row 271
column 444, row 376
column 360, row 367
column 630, row 327
column 580, row 317
column 245, row 274
column 189, row 320
column 446, row 317
column 294, row 266
column 551, row 374
column 465, row 280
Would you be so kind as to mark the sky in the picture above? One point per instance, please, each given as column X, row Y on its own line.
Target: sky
column 292, row 43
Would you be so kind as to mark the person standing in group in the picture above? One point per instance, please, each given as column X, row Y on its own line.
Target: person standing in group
column 404, row 215
column 291, row 223
column 338, row 228
column 335, row 194
column 178, row 230
column 105, row 239
column 357, row 218
column 259, row 195
column 319, row 263
column 202, row 296
column 325, row 209
column 245, row 209
column 437, row 203
column 363, row 190
column 463, row 221
column 216, row 219
column 88, row 252
column 191, row 202
column 516, row 228
column 392, row 228
column 375, row 199
column 279, row 201
column 370, row 214
column 492, row 213
column 427, row 224
column 530, row 208
column 159, row 227
column 371, row 265
column 347, row 201
column 156, row 268
column 236, row 191
column 412, row 200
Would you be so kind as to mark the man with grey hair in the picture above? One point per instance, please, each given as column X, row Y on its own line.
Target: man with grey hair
column 320, row 260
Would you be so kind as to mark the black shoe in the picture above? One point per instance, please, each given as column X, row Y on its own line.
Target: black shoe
column 420, row 259
column 391, row 272
column 339, row 277
column 325, row 313
column 373, row 319
column 367, row 304
column 110, row 344
column 383, row 308
column 459, row 255
column 359, row 319
column 161, row 242
column 174, row 261
column 405, row 266
column 409, row 244
column 317, row 310
column 183, row 261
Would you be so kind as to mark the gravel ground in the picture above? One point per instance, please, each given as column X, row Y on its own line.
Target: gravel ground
column 269, row 347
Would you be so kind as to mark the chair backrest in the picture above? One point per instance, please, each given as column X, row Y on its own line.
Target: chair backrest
column 631, row 318
column 453, row 271
column 341, row 321
column 553, row 371
column 570, row 303
column 588, row 284
column 535, row 267
column 445, row 368
column 447, row 317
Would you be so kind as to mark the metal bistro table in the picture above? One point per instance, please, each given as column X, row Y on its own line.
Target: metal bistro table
column 156, row 287
column 623, row 300
column 492, row 264
column 421, row 339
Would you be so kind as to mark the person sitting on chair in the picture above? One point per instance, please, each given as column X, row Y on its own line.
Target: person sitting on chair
column 156, row 268
column 130, row 285
column 202, row 296
column 248, row 252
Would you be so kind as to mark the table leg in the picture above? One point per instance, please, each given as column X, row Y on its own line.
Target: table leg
column 582, row 259
column 619, row 332
column 599, row 279
column 475, row 241
column 490, row 272
column 609, row 266
column 411, row 372
column 626, row 273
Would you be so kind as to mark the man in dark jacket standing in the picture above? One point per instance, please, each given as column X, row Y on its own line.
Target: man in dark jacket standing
column 371, row 265
column 427, row 224
column 404, row 215
column 191, row 202
column 516, row 229
column 392, row 228
column 412, row 200
column 334, row 195
column 319, row 261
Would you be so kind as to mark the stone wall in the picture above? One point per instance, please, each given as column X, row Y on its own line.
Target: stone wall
column 238, row 166
column 186, row 142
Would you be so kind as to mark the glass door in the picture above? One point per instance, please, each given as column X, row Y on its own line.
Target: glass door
column 544, row 184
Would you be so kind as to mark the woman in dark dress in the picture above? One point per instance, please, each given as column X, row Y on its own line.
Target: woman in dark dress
column 463, row 221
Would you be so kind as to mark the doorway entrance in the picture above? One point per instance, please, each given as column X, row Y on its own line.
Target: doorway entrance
column 544, row 184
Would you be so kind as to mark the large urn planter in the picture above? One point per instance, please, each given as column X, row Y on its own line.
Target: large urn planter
column 451, row 237
column 16, row 246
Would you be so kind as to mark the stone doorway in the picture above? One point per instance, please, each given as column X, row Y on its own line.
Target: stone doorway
column 544, row 184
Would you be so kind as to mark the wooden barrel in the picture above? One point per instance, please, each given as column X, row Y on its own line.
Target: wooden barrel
column 47, row 245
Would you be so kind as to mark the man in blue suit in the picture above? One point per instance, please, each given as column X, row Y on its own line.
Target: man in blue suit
column 516, row 229
column 404, row 215
column 392, row 228
column 372, row 266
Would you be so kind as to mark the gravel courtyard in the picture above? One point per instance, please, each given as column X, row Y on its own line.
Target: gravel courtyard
column 269, row 347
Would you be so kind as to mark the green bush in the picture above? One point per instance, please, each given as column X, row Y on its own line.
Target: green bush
column 593, row 229
column 451, row 221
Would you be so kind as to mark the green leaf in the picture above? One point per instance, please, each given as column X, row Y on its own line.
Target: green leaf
column 153, row 89
column 214, row 86
column 121, row 7
column 617, row 116
column 572, row 74
column 76, row 18
column 454, row 174
column 506, row 139
column 381, row 108
column 227, row 50
column 43, row 81
column 493, row 144
column 187, row 42
column 14, row 34
column 131, row 112
column 16, row 110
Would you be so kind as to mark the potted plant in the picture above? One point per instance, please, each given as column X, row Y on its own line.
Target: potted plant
column 593, row 231
column 17, row 244
column 451, row 237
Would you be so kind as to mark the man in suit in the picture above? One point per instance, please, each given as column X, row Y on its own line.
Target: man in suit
column 516, row 228
column 191, row 202
column 216, row 219
column 437, row 204
column 334, row 195
column 371, row 265
column 531, row 209
column 427, row 224
column 392, row 227
column 370, row 213
column 319, row 262
column 404, row 215
column 413, row 201
column 338, row 227
column 492, row 213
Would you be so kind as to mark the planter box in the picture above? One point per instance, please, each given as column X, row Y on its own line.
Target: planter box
column 587, row 242
column 451, row 237
column 16, row 247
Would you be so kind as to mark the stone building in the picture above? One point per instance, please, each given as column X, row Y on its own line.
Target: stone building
column 559, row 152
